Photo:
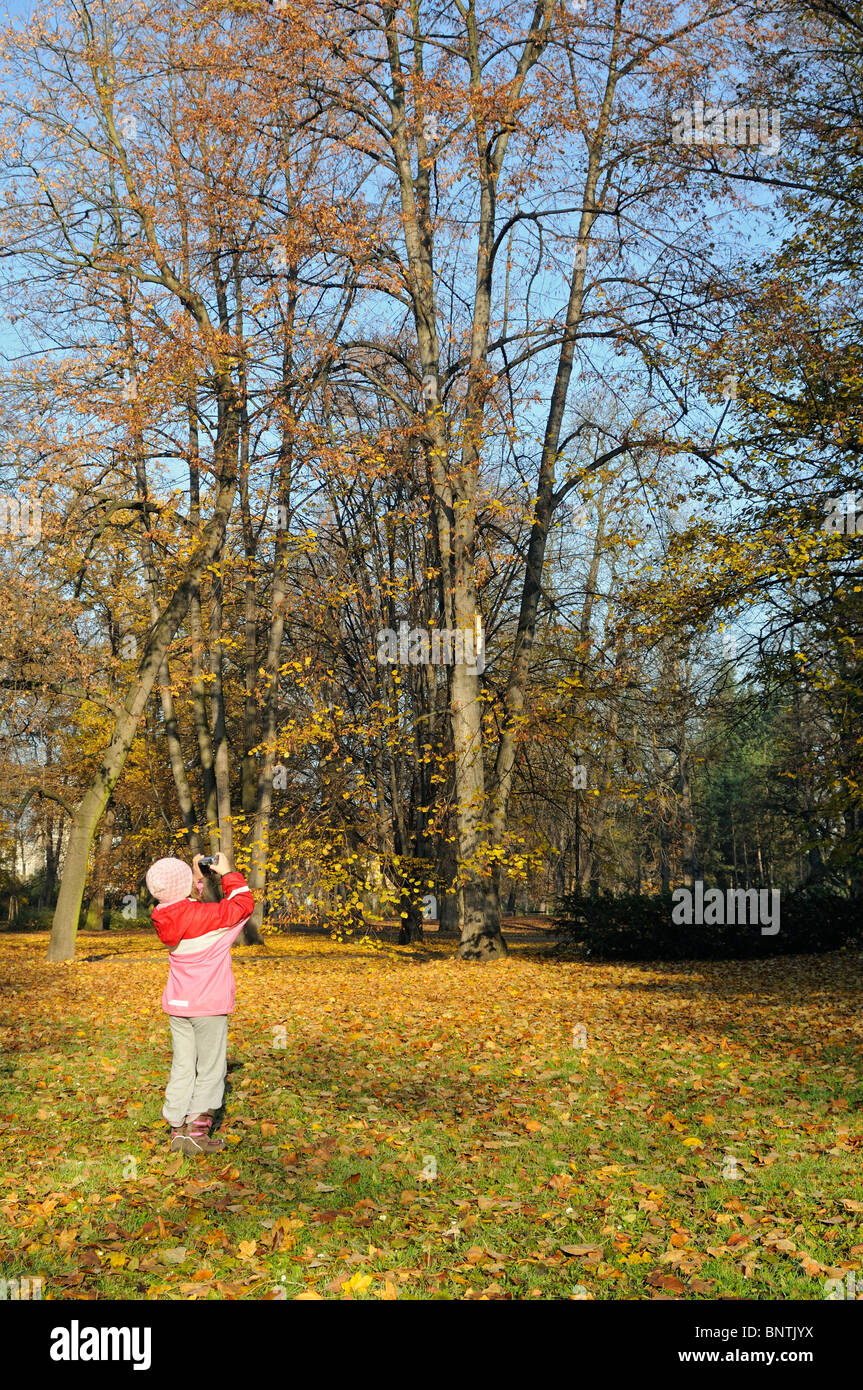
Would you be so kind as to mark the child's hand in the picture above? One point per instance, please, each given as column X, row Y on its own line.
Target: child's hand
column 222, row 865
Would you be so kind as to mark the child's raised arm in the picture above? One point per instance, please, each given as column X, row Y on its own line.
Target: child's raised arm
column 182, row 918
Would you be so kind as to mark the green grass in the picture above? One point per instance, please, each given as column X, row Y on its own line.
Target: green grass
column 429, row 1127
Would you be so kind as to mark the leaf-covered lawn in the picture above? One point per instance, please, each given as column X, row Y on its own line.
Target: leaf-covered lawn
column 404, row 1126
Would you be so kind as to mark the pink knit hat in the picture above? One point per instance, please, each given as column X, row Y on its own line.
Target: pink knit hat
column 169, row 880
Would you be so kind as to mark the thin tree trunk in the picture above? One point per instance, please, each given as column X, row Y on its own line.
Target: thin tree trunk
column 50, row 879
column 664, row 857
column 448, row 906
column 202, row 724
column 176, row 759
column 736, row 875
column 96, row 905
column 690, row 865
column 196, row 632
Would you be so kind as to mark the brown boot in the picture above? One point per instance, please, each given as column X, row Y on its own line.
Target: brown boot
column 178, row 1134
column 195, row 1137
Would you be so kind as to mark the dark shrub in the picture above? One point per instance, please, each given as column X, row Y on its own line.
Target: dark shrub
column 639, row 927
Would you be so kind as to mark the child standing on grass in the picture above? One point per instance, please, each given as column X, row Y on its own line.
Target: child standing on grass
column 199, row 994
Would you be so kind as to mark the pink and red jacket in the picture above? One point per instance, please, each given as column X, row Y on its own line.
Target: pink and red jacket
column 200, row 936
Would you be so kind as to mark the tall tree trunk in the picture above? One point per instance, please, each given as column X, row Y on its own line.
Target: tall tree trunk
column 221, row 760
column 454, row 485
column 196, row 632
column 259, row 854
column 248, row 768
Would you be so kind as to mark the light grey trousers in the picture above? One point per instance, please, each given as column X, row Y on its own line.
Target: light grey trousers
column 199, row 1068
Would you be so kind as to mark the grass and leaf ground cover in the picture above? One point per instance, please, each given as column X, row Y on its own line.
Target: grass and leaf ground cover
column 403, row 1126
